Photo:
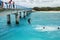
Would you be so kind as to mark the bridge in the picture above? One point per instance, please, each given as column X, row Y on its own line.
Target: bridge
column 16, row 11
column 12, row 11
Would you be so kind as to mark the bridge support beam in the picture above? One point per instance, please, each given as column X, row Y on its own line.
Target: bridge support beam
column 30, row 11
column 8, row 19
column 17, row 18
column 27, row 13
column 24, row 14
column 20, row 15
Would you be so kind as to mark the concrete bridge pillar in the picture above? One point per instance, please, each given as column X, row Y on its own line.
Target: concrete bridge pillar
column 17, row 18
column 8, row 19
column 30, row 11
column 24, row 14
column 27, row 13
column 20, row 15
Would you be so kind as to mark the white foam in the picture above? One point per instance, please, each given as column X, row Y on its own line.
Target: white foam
column 47, row 28
column 50, row 11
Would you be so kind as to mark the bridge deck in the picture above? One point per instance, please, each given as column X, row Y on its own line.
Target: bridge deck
column 9, row 11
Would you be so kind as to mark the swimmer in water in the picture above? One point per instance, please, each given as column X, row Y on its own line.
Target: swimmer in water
column 29, row 20
column 43, row 27
column 58, row 28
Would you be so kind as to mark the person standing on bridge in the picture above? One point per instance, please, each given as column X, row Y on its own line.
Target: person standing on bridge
column 11, row 3
column 1, row 4
column 6, row 4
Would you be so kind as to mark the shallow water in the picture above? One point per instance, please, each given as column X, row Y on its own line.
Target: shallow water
column 25, row 31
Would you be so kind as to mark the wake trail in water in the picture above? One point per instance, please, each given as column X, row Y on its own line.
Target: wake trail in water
column 46, row 28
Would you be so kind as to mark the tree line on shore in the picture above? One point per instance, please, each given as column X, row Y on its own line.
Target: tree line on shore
column 46, row 8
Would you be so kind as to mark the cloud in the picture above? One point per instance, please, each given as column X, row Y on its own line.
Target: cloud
column 39, row 3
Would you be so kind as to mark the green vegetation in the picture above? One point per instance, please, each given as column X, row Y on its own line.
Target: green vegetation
column 46, row 9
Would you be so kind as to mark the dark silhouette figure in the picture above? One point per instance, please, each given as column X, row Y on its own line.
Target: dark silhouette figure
column 58, row 28
column 29, row 20
column 6, row 4
column 43, row 27
column 1, row 4
column 13, row 4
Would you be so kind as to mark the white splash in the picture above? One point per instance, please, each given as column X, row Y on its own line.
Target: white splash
column 46, row 28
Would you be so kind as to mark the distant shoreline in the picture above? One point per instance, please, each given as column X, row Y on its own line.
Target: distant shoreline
column 46, row 9
column 50, row 10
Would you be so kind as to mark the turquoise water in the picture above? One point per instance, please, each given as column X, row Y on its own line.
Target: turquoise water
column 25, row 31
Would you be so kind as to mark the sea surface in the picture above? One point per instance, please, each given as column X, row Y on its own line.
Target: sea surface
column 33, row 31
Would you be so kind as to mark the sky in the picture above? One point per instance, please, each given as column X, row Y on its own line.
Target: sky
column 37, row 3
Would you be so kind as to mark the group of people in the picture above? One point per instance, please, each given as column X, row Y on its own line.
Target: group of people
column 8, row 4
column 11, row 3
